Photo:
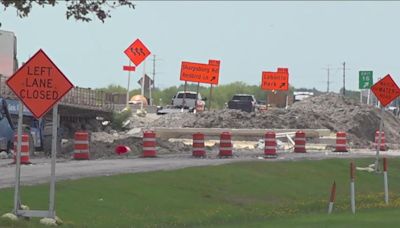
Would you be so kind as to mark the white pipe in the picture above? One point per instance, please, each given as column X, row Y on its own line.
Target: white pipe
column 353, row 197
column 385, row 180
column 330, row 207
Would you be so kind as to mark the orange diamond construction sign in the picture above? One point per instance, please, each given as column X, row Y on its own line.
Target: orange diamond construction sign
column 39, row 84
column 386, row 90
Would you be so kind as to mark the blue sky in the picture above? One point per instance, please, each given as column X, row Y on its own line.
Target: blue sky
column 248, row 38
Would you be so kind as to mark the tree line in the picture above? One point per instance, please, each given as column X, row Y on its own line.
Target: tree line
column 220, row 94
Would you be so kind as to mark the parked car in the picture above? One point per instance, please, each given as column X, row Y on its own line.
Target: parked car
column 244, row 102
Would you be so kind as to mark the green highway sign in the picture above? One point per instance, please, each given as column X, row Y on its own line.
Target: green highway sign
column 365, row 79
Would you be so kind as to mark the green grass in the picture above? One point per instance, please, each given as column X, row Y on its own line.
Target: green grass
column 248, row 194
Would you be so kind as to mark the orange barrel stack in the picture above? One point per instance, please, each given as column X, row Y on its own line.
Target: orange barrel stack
column 81, row 145
column 341, row 142
column 225, row 145
column 149, row 144
column 24, row 149
column 270, row 145
column 300, row 142
column 198, row 145
column 383, row 146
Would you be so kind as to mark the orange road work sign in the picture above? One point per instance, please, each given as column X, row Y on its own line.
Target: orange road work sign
column 200, row 72
column 137, row 52
column 386, row 90
column 39, row 84
column 275, row 80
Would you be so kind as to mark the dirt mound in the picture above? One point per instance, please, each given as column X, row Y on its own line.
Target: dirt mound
column 330, row 111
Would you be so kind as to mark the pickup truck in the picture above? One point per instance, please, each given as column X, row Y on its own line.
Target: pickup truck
column 189, row 101
column 244, row 102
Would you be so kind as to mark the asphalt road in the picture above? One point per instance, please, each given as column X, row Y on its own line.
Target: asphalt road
column 39, row 171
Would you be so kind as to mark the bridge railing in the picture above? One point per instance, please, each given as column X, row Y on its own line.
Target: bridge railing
column 77, row 96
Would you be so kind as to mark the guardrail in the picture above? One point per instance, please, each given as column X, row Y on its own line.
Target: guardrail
column 77, row 97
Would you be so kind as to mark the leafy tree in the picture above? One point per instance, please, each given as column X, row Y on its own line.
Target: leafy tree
column 81, row 10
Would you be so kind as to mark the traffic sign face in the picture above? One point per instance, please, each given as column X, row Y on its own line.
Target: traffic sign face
column 386, row 90
column 129, row 68
column 200, row 72
column 137, row 52
column 275, row 80
column 365, row 79
column 147, row 81
column 39, row 84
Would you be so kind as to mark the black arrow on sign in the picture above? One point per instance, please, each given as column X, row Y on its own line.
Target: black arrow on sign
column 141, row 51
column 213, row 78
column 282, row 85
column 133, row 51
column 137, row 51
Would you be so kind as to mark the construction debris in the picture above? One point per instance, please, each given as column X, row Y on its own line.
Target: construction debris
column 330, row 111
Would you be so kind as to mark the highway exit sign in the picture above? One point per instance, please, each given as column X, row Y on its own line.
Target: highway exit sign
column 137, row 52
column 365, row 79
column 386, row 90
column 39, row 84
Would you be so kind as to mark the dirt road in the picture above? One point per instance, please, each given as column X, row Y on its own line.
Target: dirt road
column 39, row 171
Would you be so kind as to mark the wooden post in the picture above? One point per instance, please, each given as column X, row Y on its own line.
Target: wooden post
column 209, row 102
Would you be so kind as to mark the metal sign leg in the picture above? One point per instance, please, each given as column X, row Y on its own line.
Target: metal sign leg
column 17, row 201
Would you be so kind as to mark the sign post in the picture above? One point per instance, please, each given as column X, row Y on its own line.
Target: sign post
column 39, row 85
column 129, row 69
column 365, row 81
column 386, row 90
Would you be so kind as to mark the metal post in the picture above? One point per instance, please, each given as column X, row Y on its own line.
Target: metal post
column 369, row 97
column 361, row 100
column 353, row 198
column 197, row 96
column 209, row 102
column 150, row 98
column 127, row 90
column 18, row 160
column 385, row 180
column 344, row 78
column 184, row 96
column 330, row 207
column 53, row 163
column 352, row 188
column 378, row 147
column 143, row 78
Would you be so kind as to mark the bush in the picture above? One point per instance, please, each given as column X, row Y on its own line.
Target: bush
column 120, row 117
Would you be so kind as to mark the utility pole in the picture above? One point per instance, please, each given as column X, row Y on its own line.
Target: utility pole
column 328, row 81
column 154, row 72
column 344, row 78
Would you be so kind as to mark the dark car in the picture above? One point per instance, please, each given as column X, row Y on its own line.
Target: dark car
column 244, row 102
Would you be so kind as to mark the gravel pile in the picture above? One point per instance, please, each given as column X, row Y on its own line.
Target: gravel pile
column 330, row 111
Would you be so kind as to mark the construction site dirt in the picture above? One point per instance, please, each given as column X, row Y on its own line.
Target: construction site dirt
column 329, row 111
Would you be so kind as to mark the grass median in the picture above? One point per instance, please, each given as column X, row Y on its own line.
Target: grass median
column 246, row 194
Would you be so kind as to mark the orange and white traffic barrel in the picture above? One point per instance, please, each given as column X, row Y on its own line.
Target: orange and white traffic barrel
column 341, row 142
column 198, row 145
column 149, row 144
column 270, row 144
column 300, row 142
column 225, row 145
column 81, row 145
column 383, row 146
column 24, row 149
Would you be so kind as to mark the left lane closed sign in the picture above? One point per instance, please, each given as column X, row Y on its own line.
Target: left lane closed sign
column 39, row 84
